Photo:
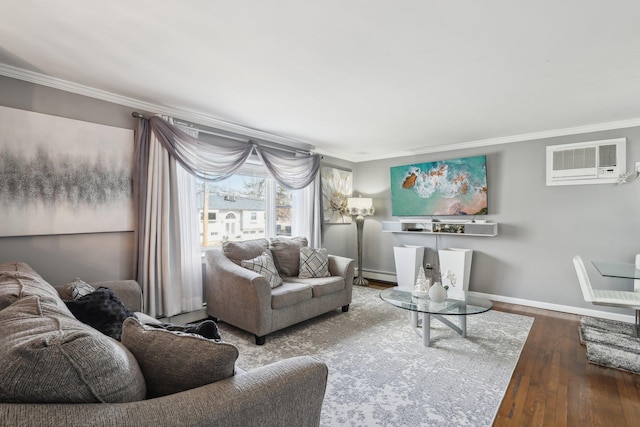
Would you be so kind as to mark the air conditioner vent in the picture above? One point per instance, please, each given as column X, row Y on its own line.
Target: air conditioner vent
column 574, row 159
column 595, row 162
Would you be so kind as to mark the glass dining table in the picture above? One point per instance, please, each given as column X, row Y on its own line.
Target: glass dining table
column 617, row 269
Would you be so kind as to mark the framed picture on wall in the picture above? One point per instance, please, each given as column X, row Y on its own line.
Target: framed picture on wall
column 63, row 176
column 337, row 186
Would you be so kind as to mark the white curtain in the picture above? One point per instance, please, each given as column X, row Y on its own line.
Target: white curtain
column 307, row 213
column 190, row 256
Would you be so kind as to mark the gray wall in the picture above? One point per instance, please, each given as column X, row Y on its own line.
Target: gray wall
column 60, row 258
column 540, row 228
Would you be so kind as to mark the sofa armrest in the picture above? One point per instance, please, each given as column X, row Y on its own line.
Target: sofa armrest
column 343, row 267
column 237, row 295
column 285, row 393
column 128, row 291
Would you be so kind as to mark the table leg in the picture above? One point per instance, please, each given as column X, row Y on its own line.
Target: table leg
column 426, row 329
column 463, row 326
column 414, row 319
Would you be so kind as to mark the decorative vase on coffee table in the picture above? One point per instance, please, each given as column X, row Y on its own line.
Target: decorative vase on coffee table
column 437, row 292
column 421, row 288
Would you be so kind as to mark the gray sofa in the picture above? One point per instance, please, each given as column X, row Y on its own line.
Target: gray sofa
column 65, row 373
column 244, row 298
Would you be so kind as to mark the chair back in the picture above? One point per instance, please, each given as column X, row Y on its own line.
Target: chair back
column 636, row 283
column 585, row 284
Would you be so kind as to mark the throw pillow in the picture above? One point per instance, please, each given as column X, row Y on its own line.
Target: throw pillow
column 102, row 310
column 205, row 328
column 79, row 288
column 175, row 361
column 313, row 263
column 286, row 254
column 50, row 357
column 264, row 265
column 248, row 249
column 18, row 280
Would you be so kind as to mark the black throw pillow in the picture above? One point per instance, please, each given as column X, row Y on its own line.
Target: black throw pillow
column 102, row 310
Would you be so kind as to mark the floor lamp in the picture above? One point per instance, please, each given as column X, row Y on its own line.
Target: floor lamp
column 360, row 206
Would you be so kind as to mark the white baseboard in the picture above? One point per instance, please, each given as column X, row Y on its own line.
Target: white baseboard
column 383, row 276
column 391, row 277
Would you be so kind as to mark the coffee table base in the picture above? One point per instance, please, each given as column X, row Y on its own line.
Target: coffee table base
column 426, row 325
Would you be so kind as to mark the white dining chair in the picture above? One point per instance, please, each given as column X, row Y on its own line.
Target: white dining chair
column 611, row 298
column 636, row 283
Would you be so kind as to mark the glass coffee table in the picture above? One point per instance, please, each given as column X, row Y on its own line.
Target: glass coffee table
column 438, row 310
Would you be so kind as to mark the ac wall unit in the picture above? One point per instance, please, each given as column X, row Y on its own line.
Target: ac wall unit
column 594, row 162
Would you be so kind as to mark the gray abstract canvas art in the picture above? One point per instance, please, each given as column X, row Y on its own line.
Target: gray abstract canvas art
column 63, row 176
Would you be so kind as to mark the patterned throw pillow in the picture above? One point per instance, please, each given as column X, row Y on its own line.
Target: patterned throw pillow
column 264, row 265
column 80, row 288
column 313, row 263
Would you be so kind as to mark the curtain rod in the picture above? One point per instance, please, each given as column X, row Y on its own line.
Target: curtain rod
column 267, row 143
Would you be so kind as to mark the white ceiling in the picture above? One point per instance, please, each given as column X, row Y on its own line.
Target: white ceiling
column 358, row 79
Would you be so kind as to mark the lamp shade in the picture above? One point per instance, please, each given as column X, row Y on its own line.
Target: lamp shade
column 360, row 206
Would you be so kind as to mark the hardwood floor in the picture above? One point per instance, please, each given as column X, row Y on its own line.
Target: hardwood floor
column 554, row 385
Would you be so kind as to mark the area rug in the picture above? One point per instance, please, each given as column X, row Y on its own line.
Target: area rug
column 611, row 343
column 381, row 375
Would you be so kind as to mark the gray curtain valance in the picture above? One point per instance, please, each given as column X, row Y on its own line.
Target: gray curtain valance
column 216, row 162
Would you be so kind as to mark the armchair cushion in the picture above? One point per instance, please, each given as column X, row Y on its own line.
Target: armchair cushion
column 286, row 254
column 313, row 263
column 50, row 357
column 265, row 266
column 175, row 361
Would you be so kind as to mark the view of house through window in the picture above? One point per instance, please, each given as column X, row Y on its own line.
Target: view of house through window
column 242, row 208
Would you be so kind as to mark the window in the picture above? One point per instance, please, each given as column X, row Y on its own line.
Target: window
column 283, row 211
column 243, row 207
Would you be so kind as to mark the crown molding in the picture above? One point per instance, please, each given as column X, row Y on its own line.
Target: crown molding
column 208, row 120
column 193, row 116
column 622, row 124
